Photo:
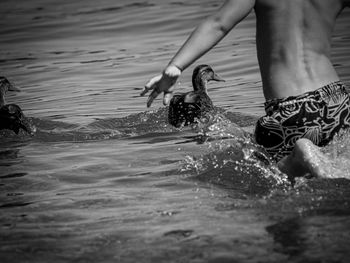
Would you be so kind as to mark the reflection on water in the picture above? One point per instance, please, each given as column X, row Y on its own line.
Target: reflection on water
column 105, row 180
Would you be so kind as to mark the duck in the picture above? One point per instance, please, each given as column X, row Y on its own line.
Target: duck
column 188, row 108
column 11, row 115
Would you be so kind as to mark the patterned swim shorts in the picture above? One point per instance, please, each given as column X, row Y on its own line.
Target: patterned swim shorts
column 317, row 115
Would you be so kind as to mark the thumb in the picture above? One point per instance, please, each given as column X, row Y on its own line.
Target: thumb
column 167, row 98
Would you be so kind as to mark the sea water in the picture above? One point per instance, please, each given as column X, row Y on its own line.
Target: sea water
column 104, row 179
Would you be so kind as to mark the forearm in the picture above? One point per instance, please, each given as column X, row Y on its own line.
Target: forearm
column 205, row 36
column 211, row 31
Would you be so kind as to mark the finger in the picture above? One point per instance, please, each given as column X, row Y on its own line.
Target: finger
column 167, row 98
column 151, row 97
column 151, row 84
column 145, row 90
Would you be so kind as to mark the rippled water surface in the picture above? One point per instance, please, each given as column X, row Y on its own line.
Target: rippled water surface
column 104, row 179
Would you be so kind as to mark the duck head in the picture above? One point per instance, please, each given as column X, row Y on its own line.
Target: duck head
column 11, row 115
column 6, row 86
column 202, row 74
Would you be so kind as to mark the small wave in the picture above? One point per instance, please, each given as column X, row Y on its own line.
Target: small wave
column 233, row 160
column 115, row 8
column 150, row 126
column 232, row 168
column 102, row 129
column 146, row 124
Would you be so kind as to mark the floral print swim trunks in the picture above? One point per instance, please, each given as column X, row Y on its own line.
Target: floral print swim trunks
column 317, row 115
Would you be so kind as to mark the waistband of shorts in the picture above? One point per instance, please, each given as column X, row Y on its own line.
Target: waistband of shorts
column 324, row 93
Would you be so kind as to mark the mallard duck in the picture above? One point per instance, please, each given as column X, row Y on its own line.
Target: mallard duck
column 185, row 109
column 11, row 115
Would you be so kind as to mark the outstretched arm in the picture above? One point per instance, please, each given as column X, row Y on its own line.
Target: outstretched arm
column 204, row 37
column 211, row 31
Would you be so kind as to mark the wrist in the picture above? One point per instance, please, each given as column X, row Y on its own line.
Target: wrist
column 172, row 70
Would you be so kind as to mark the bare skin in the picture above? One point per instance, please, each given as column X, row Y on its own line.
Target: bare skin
column 293, row 45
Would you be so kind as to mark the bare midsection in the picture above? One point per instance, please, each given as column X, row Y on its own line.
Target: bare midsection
column 297, row 75
column 293, row 41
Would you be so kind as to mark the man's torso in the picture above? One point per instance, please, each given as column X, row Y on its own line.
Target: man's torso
column 293, row 42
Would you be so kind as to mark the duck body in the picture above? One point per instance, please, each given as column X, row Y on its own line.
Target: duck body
column 188, row 108
column 12, row 118
column 11, row 115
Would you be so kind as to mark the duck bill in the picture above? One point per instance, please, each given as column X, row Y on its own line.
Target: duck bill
column 216, row 77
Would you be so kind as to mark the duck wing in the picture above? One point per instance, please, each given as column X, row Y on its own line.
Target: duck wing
column 12, row 118
column 185, row 109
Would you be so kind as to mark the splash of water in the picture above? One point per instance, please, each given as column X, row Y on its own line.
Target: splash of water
column 337, row 153
column 233, row 159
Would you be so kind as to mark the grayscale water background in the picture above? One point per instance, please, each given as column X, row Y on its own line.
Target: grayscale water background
column 104, row 179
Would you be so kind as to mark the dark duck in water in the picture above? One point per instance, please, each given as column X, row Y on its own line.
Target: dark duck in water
column 11, row 115
column 185, row 109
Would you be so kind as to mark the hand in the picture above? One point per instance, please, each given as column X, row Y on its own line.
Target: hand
column 162, row 83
